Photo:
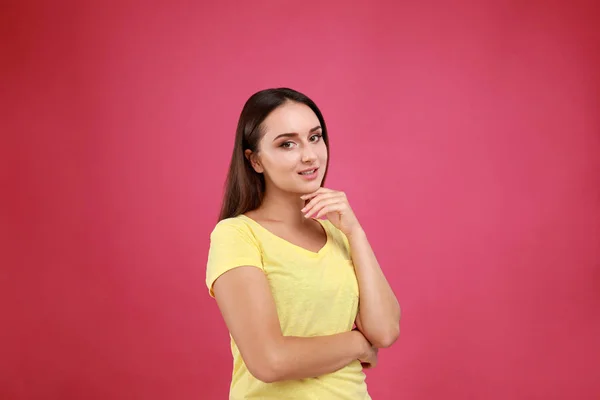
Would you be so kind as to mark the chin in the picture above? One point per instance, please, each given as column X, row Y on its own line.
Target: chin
column 308, row 187
column 313, row 186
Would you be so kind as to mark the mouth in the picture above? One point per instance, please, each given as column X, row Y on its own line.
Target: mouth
column 309, row 173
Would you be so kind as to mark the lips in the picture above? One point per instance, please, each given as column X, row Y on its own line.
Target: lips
column 308, row 171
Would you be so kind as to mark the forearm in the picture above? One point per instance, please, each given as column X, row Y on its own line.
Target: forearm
column 307, row 357
column 378, row 308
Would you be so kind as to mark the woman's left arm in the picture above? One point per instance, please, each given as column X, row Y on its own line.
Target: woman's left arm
column 379, row 312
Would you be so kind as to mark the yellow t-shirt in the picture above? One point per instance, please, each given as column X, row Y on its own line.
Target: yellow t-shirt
column 316, row 294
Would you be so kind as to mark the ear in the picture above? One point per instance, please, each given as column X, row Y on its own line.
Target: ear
column 254, row 161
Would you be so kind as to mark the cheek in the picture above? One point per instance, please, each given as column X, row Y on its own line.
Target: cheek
column 281, row 163
column 323, row 153
column 288, row 160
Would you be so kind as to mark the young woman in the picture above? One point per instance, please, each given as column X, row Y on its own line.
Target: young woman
column 287, row 281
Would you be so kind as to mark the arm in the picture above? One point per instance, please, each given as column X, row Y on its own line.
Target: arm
column 244, row 298
column 379, row 312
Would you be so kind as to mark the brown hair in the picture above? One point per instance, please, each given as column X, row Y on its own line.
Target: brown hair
column 244, row 187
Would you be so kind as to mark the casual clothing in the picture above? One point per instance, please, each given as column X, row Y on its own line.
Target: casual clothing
column 316, row 294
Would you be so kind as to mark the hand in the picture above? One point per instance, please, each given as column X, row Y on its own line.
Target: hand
column 369, row 359
column 334, row 205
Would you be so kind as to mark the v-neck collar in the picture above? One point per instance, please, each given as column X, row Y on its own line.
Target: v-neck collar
column 290, row 244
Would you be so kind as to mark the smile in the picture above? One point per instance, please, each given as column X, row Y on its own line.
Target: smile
column 309, row 174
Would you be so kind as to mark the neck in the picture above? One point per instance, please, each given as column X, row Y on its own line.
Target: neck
column 283, row 207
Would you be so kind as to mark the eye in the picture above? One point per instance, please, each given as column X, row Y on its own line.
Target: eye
column 286, row 145
column 316, row 138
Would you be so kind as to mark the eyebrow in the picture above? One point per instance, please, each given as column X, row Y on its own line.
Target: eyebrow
column 292, row 134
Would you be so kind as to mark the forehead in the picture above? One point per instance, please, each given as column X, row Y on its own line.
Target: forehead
column 290, row 118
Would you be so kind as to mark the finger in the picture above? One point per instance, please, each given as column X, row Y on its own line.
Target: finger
column 318, row 207
column 330, row 208
column 316, row 192
column 311, row 195
column 331, row 194
column 317, row 199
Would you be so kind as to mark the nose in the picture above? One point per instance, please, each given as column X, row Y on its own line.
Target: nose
column 308, row 156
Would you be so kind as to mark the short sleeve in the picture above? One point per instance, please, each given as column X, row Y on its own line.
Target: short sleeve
column 232, row 245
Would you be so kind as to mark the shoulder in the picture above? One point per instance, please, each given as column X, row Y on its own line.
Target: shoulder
column 331, row 228
column 338, row 237
column 231, row 224
column 232, row 229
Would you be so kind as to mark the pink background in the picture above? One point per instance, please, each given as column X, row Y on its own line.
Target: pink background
column 466, row 136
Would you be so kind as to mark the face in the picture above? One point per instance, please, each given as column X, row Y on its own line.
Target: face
column 292, row 154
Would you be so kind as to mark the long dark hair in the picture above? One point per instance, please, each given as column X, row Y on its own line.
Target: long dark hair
column 244, row 187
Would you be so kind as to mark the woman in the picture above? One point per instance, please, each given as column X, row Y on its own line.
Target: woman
column 288, row 283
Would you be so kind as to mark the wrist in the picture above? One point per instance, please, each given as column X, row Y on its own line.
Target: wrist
column 356, row 233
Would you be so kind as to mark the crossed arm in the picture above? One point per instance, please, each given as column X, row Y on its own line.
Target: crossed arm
column 379, row 312
column 246, row 303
